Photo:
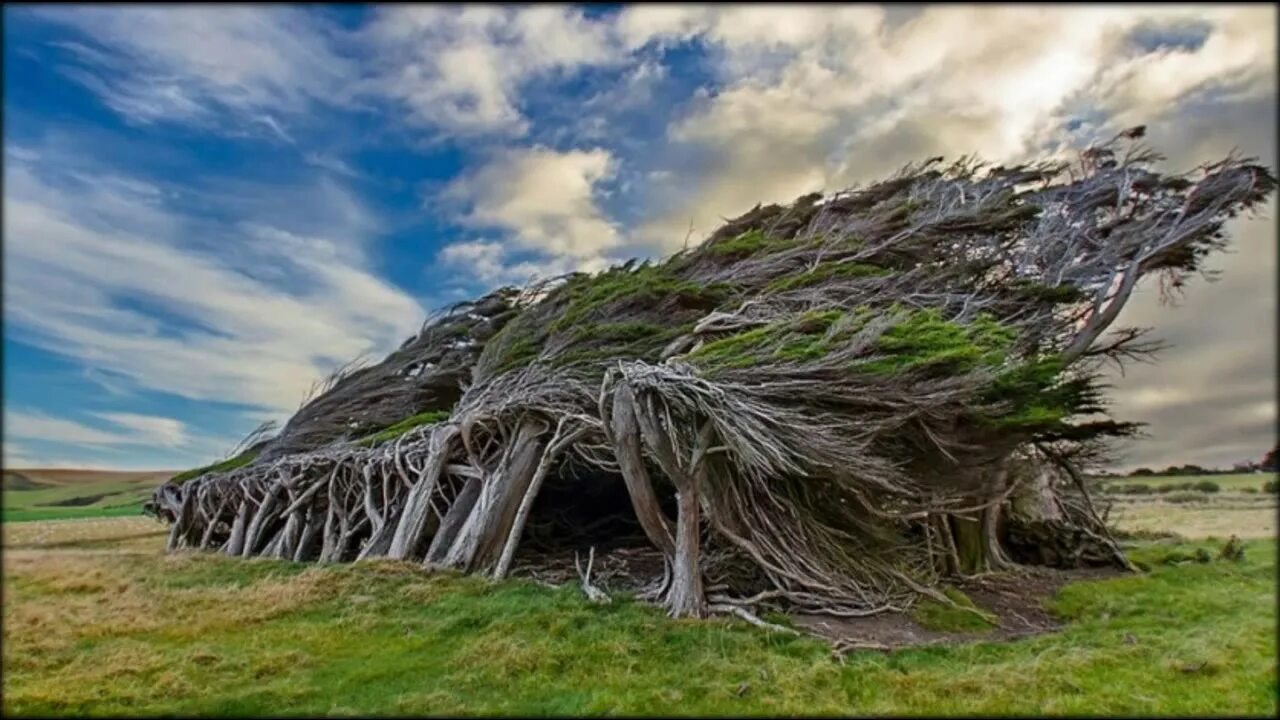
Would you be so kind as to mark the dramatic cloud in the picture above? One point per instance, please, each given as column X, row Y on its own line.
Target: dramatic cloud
column 461, row 68
column 818, row 100
column 542, row 201
column 103, row 273
column 558, row 138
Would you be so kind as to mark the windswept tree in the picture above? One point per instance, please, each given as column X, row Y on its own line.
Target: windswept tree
column 830, row 406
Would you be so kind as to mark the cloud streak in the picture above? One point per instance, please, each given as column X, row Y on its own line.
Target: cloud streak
column 104, row 274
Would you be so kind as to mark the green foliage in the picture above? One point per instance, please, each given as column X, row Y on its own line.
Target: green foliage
column 1040, row 397
column 605, row 341
column 517, row 344
column 1206, row 486
column 238, row 461
column 807, row 337
column 621, row 312
column 1271, row 486
column 749, row 243
column 392, row 432
column 923, row 339
column 940, row 617
column 643, row 288
column 824, row 273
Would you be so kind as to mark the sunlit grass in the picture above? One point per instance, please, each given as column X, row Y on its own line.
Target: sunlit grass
column 90, row 630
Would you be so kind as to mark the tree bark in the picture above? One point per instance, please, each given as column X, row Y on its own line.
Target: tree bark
column 413, row 520
column 490, row 520
column 235, row 545
column 626, row 443
column 457, row 514
column 685, row 597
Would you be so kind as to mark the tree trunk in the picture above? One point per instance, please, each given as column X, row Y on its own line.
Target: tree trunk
column 685, row 597
column 971, row 546
column 626, row 443
column 413, row 520
column 457, row 514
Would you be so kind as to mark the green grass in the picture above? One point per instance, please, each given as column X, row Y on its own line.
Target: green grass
column 148, row 635
column 67, row 513
column 933, row 615
column 119, row 497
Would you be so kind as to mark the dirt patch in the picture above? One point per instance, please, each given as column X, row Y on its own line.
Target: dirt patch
column 1018, row 601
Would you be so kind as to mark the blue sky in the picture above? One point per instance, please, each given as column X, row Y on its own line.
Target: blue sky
column 207, row 209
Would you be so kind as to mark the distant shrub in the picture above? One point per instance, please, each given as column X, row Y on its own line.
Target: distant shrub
column 1183, row 496
column 1207, row 486
column 1270, row 486
column 1250, row 490
column 1167, row 487
column 1233, row 550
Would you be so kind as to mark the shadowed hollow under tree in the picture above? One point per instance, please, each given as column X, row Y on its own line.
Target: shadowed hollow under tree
column 832, row 406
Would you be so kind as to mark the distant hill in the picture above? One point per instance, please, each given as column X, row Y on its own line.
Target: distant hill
column 49, row 493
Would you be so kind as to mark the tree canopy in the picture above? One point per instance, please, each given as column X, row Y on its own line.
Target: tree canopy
column 830, row 405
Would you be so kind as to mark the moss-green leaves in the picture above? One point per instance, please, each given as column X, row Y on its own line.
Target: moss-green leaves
column 429, row 417
column 824, row 273
column 238, row 461
column 923, row 339
column 809, row 336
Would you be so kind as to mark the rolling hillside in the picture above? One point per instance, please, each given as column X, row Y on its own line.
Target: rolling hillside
column 48, row 494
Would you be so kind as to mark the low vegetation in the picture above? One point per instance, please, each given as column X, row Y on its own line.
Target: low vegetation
column 96, row 625
column 231, row 463
column 57, row 494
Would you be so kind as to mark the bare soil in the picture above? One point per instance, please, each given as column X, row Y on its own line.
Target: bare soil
column 1017, row 600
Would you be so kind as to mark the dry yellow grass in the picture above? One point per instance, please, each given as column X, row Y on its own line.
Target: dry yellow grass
column 119, row 534
column 1218, row 518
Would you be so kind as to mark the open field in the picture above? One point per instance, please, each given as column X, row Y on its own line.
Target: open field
column 1226, row 482
column 97, row 620
column 1218, row 515
column 56, row 494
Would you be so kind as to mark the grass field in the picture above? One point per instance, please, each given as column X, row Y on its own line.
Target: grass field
column 97, row 620
column 1226, row 482
column 58, row 494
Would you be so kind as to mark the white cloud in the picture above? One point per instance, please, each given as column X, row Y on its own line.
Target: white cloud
column 129, row 429
column 117, row 281
column 332, row 164
column 811, row 99
column 461, row 68
column 38, row 426
column 163, row 431
column 545, row 199
column 197, row 64
column 492, row 263
column 545, row 203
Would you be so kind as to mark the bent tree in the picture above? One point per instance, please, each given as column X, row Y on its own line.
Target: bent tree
column 830, row 406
